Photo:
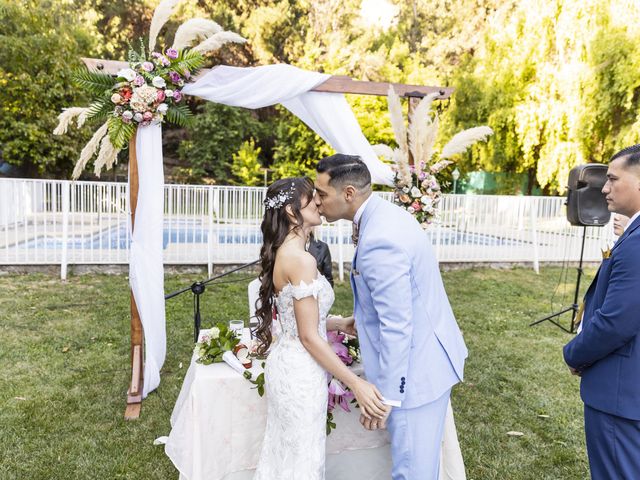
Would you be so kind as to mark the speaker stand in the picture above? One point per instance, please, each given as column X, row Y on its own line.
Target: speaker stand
column 574, row 307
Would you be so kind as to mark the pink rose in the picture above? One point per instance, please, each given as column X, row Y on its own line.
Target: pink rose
column 147, row 116
column 160, row 95
column 416, row 206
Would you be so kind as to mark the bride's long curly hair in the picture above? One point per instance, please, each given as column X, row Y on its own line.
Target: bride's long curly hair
column 276, row 225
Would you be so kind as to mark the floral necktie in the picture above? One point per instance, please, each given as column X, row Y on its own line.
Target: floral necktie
column 354, row 234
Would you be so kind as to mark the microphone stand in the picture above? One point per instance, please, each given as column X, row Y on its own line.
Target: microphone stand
column 198, row 288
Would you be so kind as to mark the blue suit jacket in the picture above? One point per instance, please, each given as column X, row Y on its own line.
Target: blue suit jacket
column 606, row 350
column 411, row 346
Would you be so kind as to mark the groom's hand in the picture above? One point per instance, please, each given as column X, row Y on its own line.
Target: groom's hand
column 376, row 423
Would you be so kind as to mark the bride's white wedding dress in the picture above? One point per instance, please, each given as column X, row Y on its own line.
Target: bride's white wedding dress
column 296, row 388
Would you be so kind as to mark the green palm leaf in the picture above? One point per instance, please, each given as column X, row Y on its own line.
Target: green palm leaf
column 100, row 108
column 179, row 115
column 189, row 60
column 120, row 133
column 96, row 83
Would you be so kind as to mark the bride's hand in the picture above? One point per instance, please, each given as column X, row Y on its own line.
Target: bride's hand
column 347, row 325
column 369, row 399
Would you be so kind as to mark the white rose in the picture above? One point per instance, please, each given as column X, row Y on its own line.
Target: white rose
column 138, row 117
column 163, row 107
column 426, row 200
column 158, row 82
column 168, row 92
column 415, row 192
column 128, row 114
column 405, row 189
column 116, row 98
column 411, row 210
column 214, row 332
column 128, row 74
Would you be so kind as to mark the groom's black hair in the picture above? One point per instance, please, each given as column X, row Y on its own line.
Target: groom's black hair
column 631, row 154
column 345, row 170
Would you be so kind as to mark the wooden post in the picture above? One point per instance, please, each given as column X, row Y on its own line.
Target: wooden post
column 134, row 395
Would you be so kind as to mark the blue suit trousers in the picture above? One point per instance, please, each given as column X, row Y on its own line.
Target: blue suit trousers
column 613, row 445
column 416, row 439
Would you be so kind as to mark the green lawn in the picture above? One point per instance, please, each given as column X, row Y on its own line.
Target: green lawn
column 64, row 350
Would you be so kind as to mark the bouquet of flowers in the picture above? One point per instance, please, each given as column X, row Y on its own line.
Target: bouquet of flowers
column 348, row 350
column 148, row 91
column 417, row 184
column 215, row 343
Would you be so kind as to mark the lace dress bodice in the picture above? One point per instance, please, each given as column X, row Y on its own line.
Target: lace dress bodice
column 296, row 388
column 286, row 327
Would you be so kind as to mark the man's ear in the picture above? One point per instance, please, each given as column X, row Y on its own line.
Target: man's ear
column 350, row 193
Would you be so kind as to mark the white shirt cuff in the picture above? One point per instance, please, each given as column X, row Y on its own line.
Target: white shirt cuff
column 393, row 403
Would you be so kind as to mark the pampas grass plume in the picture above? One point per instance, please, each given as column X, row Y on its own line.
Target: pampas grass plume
column 397, row 118
column 160, row 16
column 89, row 150
column 463, row 140
column 67, row 115
column 194, row 29
column 217, row 40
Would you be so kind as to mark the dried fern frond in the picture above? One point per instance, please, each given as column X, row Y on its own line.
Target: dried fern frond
column 106, row 156
column 382, row 150
column 429, row 140
column 419, row 122
column 397, row 118
column 67, row 116
column 160, row 17
column 463, row 140
column 217, row 40
column 194, row 29
column 89, row 150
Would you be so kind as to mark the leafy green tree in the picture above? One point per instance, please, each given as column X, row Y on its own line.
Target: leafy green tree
column 42, row 42
column 246, row 164
column 297, row 148
column 217, row 132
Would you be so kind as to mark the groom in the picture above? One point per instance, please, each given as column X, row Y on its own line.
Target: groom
column 606, row 352
column 411, row 346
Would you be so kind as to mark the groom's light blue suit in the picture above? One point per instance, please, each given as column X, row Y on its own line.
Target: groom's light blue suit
column 411, row 346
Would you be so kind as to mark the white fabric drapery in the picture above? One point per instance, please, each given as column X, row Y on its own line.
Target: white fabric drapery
column 146, row 273
column 327, row 114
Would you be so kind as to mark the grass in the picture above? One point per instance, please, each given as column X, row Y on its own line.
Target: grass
column 64, row 352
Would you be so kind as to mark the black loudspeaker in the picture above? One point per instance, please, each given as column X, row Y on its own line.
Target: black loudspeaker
column 586, row 204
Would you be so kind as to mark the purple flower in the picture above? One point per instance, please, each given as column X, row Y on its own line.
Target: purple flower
column 186, row 74
column 147, row 66
column 174, row 77
column 422, row 176
column 171, row 53
column 339, row 395
column 177, row 96
column 335, row 339
column 139, row 80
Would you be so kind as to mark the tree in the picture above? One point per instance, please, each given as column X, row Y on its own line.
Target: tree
column 42, row 42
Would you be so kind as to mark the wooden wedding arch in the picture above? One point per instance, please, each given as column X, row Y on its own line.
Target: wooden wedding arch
column 334, row 84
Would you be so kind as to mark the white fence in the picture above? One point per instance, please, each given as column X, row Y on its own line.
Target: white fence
column 60, row 222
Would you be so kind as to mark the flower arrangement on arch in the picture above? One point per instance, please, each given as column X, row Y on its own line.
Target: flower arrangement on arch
column 148, row 91
column 418, row 184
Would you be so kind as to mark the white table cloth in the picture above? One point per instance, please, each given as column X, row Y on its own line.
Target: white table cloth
column 218, row 424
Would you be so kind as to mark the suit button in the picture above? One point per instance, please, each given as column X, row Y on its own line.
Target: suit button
column 402, row 379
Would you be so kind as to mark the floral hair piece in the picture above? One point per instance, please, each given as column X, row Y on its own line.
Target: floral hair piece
column 278, row 200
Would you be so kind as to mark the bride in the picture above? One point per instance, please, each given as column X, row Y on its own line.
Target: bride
column 294, row 302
